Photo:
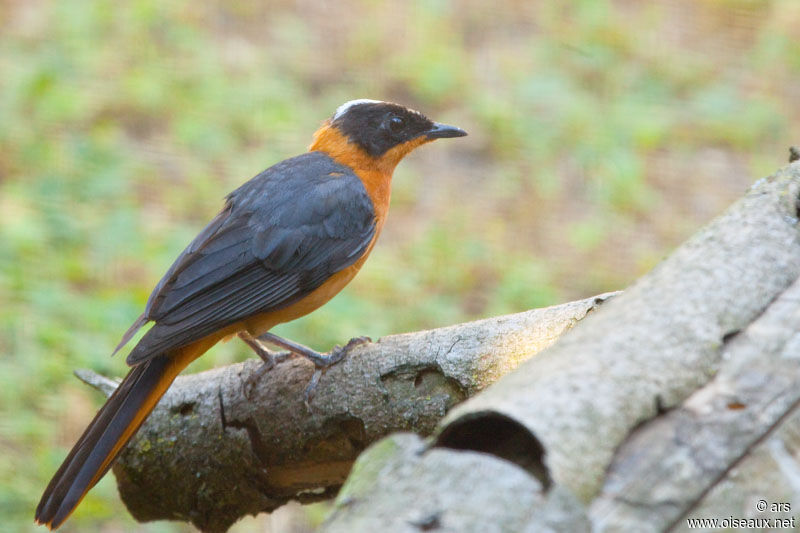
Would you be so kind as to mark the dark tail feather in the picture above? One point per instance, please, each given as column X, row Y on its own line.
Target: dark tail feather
column 136, row 326
column 109, row 431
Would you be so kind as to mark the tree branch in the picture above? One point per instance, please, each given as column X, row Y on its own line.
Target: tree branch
column 234, row 441
column 691, row 449
column 578, row 438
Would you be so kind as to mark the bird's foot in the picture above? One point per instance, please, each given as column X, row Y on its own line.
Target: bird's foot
column 321, row 361
column 269, row 357
column 338, row 352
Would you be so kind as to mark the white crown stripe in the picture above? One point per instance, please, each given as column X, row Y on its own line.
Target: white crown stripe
column 342, row 109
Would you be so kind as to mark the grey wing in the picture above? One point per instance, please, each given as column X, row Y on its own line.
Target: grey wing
column 280, row 236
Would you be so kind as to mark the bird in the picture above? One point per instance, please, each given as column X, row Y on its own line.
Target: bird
column 285, row 243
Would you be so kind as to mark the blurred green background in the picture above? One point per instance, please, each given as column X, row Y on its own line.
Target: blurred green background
column 602, row 134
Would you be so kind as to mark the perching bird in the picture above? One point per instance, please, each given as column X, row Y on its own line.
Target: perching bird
column 283, row 245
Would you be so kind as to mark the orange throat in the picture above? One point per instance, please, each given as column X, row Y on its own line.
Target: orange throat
column 374, row 172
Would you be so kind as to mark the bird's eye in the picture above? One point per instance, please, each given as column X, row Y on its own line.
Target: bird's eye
column 396, row 124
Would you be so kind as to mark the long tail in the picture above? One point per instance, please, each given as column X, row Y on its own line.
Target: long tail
column 112, row 427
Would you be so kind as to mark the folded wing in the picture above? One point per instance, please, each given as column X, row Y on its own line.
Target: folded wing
column 261, row 253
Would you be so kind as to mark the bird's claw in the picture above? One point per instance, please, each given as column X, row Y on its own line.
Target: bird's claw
column 338, row 352
column 357, row 341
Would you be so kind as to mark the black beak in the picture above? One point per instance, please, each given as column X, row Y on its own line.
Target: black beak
column 441, row 131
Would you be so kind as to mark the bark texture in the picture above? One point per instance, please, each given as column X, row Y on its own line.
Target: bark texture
column 655, row 409
column 235, row 441
column 688, row 451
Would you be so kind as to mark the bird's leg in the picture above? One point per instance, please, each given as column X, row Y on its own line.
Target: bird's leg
column 321, row 361
column 269, row 357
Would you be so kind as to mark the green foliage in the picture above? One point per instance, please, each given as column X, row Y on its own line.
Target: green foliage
column 602, row 134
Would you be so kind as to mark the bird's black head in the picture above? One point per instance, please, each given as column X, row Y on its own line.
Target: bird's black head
column 379, row 126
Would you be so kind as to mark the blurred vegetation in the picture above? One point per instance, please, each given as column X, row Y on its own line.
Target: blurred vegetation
column 602, row 133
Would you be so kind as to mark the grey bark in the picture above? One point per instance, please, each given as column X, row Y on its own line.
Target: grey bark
column 234, row 441
column 688, row 451
column 637, row 419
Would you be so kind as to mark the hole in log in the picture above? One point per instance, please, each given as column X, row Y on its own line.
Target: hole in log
column 729, row 335
column 498, row 435
column 797, row 206
column 184, row 409
column 427, row 381
column 430, row 522
column 661, row 406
